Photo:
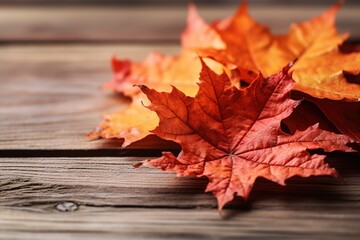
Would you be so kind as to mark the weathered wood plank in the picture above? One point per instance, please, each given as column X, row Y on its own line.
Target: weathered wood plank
column 109, row 182
column 108, row 199
column 114, row 182
column 143, row 23
column 50, row 96
column 124, row 223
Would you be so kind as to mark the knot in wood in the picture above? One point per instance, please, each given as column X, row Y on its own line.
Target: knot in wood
column 67, row 207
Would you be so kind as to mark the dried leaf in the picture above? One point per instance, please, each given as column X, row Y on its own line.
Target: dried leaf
column 233, row 136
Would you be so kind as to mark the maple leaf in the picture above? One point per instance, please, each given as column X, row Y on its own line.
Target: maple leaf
column 319, row 69
column 233, row 136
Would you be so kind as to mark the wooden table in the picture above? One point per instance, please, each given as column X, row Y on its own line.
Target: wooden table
column 56, row 184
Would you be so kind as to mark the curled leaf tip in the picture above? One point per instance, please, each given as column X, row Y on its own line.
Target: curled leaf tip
column 142, row 87
column 286, row 69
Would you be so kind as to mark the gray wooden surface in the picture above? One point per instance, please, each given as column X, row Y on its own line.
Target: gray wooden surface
column 56, row 184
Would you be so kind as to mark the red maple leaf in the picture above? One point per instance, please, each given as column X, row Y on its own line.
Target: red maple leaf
column 233, row 136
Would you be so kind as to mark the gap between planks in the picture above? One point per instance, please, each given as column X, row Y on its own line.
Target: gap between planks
column 123, row 152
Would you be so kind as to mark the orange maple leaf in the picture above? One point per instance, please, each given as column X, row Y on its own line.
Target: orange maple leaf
column 319, row 69
column 233, row 136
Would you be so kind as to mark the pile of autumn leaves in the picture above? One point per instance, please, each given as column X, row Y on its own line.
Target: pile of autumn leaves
column 233, row 133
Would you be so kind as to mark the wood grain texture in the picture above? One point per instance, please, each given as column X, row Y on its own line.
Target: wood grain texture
column 50, row 94
column 112, row 200
column 125, row 223
column 50, row 99
column 144, row 23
